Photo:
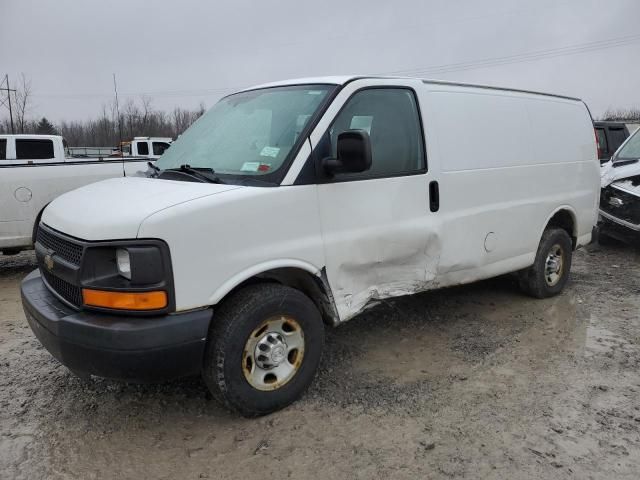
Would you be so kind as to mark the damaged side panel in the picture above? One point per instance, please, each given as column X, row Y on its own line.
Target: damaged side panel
column 385, row 244
column 384, row 271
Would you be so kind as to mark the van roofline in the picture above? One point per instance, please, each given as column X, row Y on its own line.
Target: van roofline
column 344, row 79
column 505, row 89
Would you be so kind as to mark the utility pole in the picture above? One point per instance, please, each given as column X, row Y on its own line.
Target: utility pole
column 9, row 90
column 115, row 89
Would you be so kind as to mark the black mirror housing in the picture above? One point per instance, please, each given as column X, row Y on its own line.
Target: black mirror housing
column 353, row 153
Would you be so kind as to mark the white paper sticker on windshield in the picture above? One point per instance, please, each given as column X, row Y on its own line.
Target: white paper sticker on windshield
column 361, row 122
column 250, row 167
column 269, row 152
column 315, row 92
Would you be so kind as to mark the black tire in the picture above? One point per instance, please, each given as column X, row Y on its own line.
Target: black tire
column 236, row 319
column 533, row 280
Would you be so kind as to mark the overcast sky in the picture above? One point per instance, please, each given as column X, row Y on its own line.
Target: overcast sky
column 181, row 53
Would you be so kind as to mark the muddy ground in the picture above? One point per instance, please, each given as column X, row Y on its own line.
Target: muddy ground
column 474, row 382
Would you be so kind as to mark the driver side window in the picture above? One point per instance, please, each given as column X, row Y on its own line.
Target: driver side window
column 391, row 117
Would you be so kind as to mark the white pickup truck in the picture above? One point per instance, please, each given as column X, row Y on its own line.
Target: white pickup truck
column 35, row 169
column 150, row 147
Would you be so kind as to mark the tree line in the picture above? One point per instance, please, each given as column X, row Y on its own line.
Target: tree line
column 630, row 115
column 135, row 119
column 131, row 119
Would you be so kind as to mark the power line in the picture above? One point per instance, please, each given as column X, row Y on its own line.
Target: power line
column 416, row 71
column 521, row 57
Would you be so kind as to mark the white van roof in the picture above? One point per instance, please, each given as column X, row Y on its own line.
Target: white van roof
column 34, row 136
column 343, row 79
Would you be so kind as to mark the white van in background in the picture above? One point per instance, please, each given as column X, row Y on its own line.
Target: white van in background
column 298, row 204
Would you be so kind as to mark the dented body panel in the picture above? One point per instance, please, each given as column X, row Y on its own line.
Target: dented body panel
column 497, row 194
column 384, row 247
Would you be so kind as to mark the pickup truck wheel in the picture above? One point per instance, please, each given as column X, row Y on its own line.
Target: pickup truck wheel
column 550, row 271
column 264, row 348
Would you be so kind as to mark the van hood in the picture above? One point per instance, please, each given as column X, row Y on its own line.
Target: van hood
column 114, row 209
column 609, row 173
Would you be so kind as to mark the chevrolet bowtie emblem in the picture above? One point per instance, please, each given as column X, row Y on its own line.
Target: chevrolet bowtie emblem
column 615, row 202
column 48, row 262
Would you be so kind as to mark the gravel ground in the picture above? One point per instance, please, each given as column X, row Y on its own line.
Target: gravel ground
column 476, row 381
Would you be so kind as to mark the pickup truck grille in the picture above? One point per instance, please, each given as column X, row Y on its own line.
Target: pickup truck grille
column 70, row 293
column 620, row 204
column 69, row 251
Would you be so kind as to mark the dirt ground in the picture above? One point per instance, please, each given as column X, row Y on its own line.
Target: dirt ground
column 471, row 382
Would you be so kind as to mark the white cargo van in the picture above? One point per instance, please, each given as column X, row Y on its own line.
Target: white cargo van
column 297, row 204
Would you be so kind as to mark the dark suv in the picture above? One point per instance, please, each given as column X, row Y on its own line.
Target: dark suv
column 610, row 136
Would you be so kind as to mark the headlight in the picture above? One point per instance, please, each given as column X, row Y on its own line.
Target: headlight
column 131, row 276
column 124, row 263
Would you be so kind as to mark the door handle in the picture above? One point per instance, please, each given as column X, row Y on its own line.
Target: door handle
column 434, row 196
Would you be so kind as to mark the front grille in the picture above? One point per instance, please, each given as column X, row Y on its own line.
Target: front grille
column 70, row 293
column 65, row 249
column 621, row 205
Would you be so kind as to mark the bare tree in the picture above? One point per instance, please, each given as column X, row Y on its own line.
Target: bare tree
column 622, row 114
column 146, row 113
column 23, row 102
column 136, row 119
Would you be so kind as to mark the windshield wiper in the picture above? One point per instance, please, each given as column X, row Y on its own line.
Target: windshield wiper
column 156, row 170
column 624, row 161
column 249, row 181
column 201, row 173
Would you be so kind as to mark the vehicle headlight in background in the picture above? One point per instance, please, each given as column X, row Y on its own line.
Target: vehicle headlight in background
column 124, row 262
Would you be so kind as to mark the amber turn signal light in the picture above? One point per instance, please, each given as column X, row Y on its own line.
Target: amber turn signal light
column 155, row 300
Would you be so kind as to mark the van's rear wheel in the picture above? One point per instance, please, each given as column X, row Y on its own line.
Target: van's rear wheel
column 550, row 271
column 264, row 348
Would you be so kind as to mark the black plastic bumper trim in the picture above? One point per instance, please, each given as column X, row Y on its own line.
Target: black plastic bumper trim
column 136, row 349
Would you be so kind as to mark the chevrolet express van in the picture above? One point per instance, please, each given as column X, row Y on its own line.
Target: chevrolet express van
column 295, row 205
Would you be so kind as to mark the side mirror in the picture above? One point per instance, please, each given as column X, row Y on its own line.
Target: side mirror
column 353, row 153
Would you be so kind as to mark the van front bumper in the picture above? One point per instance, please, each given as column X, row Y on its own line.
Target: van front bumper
column 113, row 346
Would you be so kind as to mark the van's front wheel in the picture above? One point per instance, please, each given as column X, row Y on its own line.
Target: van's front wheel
column 264, row 348
column 550, row 271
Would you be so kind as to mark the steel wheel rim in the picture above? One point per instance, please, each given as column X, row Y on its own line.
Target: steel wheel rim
column 554, row 265
column 273, row 353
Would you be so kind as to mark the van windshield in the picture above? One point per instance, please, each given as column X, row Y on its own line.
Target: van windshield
column 249, row 133
column 631, row 150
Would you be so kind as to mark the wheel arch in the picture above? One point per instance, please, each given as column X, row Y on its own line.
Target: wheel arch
column 34, row 229
column 303, row 276
column 563, row 217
